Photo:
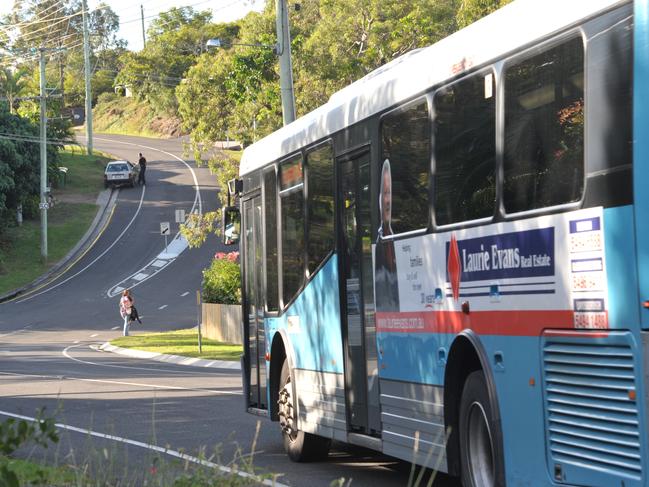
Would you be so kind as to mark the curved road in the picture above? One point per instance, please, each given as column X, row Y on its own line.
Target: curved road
column 127, row 407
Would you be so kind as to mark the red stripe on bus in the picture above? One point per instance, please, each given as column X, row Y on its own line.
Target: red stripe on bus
column 511, row 323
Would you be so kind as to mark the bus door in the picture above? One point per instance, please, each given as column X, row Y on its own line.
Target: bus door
column 253, row 310
column 357, row 295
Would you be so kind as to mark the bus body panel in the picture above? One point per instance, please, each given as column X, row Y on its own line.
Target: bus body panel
column 622, row 275
column 312, row 322
column 641, row 148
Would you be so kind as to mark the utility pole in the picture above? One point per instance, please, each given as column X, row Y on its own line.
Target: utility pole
column 285, row 66
column 142, row 17
column 86, row 62
column 43, row 205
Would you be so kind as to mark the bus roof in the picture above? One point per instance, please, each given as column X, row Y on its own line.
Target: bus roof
column 517, row 24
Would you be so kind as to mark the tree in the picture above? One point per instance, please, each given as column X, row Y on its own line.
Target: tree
column 12, row 85
column 472, row 10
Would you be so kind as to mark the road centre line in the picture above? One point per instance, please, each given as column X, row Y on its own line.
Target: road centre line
column 97, row 258
column 184, row 294
column 197, row 199
column 125, row 383
column 156, row 448
column 134, row 367
column 163, row 306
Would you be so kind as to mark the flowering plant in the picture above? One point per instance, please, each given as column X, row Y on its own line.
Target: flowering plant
column 222, row 280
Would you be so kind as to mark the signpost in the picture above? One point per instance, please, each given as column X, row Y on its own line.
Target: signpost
column 165, row 229
column 198, row 320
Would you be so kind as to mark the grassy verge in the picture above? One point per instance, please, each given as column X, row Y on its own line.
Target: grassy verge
column 68, row 220
column 127, row 116
column 181, row 342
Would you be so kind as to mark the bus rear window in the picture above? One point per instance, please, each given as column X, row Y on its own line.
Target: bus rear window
column 465, row 150
column 544, row 128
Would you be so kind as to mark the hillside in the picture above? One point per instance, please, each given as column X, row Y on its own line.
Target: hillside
column 120, row 115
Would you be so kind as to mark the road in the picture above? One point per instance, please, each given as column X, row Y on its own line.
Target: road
column 110, row 406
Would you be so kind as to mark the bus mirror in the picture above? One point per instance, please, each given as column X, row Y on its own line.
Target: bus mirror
column 231, row 225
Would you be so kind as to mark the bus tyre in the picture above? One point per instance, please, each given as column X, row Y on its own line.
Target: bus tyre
column 478, row 448
column 300, row 446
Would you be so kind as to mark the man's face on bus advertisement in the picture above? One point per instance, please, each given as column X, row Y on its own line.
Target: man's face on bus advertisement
column 386, row 198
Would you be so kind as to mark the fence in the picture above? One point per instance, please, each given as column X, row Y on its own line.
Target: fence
column 222, row 322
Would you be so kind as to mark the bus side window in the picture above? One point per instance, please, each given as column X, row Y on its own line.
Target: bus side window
column 544, row 128
column 465, row 150
column 320, row 205
column 270, row 208
column 405, row 138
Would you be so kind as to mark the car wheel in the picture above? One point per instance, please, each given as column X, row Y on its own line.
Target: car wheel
column 299, row 445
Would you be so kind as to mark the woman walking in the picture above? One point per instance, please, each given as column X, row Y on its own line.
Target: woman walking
column 125, row 305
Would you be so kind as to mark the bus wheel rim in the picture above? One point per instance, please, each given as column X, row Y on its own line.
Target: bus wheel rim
column 287, row 412
column 480, row 446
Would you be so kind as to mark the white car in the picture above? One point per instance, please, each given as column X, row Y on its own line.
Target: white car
column 120, row 172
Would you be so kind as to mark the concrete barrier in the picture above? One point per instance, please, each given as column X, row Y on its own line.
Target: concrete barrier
column 222, row 322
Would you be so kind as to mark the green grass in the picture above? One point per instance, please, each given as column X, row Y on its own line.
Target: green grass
column 67, row 222
column 32, row 473
column 20, row 254
column 180, row 342
column 85, row 173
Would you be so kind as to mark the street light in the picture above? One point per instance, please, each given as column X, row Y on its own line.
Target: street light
column 283, row 51
column 219, row 43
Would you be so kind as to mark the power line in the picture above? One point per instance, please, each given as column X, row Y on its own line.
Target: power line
column 31, row 22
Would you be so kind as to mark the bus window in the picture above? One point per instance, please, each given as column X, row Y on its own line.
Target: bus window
column 405, row 136
column 544, row 128
column 320, row 205
column 292, row 211
column 270, row 208
column 465, row 150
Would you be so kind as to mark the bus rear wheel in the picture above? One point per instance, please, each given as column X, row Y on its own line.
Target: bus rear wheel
column 478, row 435
column 299, row 445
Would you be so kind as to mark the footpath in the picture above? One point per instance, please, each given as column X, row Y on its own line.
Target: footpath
column 170, row 359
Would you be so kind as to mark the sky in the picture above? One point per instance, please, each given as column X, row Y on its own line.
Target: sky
column 129, row 12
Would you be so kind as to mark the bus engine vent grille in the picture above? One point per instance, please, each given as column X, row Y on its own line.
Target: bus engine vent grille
column 591, row 407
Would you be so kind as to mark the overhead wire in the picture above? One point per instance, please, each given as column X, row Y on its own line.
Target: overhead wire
column 32, row 22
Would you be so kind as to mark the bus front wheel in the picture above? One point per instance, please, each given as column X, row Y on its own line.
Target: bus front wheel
column 478, row 435
column 299, row 445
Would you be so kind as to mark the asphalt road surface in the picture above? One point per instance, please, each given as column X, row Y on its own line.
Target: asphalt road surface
column 128, row 411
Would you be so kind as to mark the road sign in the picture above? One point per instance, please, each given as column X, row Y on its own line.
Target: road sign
column 180, row 216
column 43, row 206
column 164, row 228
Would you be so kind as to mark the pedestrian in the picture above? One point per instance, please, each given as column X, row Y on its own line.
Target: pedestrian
column 142, row 162
column 125, row 305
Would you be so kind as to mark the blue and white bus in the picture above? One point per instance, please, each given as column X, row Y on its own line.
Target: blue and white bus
column 449, row 260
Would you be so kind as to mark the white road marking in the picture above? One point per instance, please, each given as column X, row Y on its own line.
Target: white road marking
column 137, row 212
column 94, row 335
column 134, row 367
column 149, row 446
column 119, row 289
column 158, row 263
column 15, row 332
column 125, row 383
column 115, row 327
column 197, row 200
column 140, row 276
column 163, row 306
column 185, row 294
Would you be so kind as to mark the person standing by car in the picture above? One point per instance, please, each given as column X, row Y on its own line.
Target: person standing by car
column 142, row 162
column 125, row 305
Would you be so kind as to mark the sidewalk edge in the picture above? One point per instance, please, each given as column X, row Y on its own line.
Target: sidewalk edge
column 170, row 359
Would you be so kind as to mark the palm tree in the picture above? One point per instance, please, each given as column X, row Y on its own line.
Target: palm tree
column 12, row 85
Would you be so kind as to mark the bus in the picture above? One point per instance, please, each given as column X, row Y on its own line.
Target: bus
column 448, row 262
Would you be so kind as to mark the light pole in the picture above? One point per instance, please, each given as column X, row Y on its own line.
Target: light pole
column 283, row 51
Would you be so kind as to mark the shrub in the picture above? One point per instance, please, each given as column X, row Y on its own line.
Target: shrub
column 222, row 280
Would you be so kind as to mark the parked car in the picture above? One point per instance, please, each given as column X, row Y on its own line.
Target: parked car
column 120, row 172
